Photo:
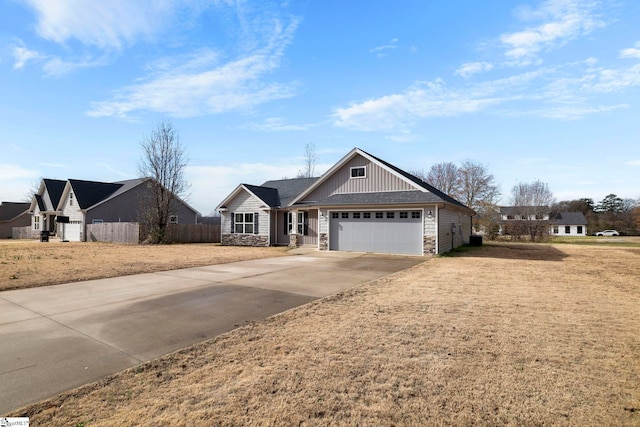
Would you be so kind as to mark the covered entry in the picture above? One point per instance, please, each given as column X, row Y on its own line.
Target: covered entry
column 393, row 232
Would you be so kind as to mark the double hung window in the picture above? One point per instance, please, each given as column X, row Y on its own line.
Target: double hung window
column 244, row 223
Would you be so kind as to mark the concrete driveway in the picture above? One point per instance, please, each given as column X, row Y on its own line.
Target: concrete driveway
column 56, row 338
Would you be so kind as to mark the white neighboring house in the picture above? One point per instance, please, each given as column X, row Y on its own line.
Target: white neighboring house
column 86, row 202
column 569, row 224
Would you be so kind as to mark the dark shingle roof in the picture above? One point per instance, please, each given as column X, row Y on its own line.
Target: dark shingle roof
column 289, row 189
column 510, row 210
column 570, row 218
column 441, row 195
column 55, row 187
column 10, row 210
column 267, row 195
column 381, row 198
column 40, row 202
column 88, row 193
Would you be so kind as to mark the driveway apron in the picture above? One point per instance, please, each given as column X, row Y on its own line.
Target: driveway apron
column 56, row 338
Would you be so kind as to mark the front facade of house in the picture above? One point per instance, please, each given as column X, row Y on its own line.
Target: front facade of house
column 569, row 224
column 77, row 203
column 361, row 204
column 560, row 224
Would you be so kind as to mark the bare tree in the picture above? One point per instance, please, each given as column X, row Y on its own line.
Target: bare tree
column 309, row 161
column 446, row 178
column 164, row 160
column 34, row 187
column 532, row 203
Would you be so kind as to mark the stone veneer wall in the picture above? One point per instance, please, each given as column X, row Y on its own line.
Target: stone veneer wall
column 244, row 240
column 324, row 241
column 294, row 240
column 429, row 245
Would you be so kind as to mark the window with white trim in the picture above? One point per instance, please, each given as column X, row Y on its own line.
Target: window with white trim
column 358, row 172
column 70, row 199
column 36, row 222
column 415, row 214
column 243, row 223
column 567, row 229
column 173, row 219
column 303, row 223
column 579, row 230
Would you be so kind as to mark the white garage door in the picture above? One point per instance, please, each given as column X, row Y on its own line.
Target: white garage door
column 72, row 231
column 392, row 232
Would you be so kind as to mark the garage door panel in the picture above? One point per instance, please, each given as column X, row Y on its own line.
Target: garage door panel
column 384, row 235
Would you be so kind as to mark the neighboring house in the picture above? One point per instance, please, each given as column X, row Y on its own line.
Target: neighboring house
column 362, row 203
column 524, row 213
column 568, row 224
column 44, row 205
column 561, row 224
column 79, row 203
column 13, row 214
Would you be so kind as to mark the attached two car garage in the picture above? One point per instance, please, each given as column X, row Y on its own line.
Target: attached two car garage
column 393, row 231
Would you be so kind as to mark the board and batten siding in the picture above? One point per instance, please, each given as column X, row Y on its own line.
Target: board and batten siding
column 448, row 238
column 377, row 179
column 75, row 214
column 246, row 203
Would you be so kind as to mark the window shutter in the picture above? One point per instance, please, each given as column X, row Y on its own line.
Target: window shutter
column 285, row 227
column 233, row 222
column 255, row 223
column 306, row 224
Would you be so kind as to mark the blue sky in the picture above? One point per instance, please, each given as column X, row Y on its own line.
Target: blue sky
column 534, row 90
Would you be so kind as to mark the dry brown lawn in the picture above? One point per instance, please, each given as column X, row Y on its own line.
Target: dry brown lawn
column 507, row 334
column 25, row 264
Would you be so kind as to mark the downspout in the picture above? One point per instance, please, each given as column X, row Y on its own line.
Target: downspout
column 437, row 229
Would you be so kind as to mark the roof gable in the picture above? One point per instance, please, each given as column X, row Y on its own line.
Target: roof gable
column 288, row 189
column 402, row 181
column 89, row 193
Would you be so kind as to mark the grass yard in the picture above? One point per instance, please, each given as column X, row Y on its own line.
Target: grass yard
column 25, row 264
column 506, row 334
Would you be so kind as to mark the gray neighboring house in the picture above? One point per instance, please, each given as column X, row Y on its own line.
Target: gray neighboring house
column 568, row 224
column 13, row 214
column 66, row 207
column 362, row 204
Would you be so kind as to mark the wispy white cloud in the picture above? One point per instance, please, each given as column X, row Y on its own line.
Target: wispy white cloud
column 631, row 52
column 107, row 25
column 277, row 124
column 9, row 172
column 22, row 55
column 201, row 87
column 559, row 22
column 422, row 100
column 566, row 92
column 380, row 50
column 469, row 68
column 634, row 163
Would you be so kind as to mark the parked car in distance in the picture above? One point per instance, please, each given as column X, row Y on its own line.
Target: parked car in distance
column 607, row 233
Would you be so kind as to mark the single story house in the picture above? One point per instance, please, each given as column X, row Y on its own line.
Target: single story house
column 362, row 203
column 13, row 214
column 568, row 224
column 66, row 207
column 560, row 224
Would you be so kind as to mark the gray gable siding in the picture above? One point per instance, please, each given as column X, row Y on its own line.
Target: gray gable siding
column 245, row 202
column 377, row 179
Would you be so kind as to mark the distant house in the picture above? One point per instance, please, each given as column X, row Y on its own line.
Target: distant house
column 569, row 224
column 13, row 214
column 561, row 224
column 66, row 207
column 362, row 204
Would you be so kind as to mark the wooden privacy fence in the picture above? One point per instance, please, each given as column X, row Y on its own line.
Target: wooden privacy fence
column 114, row 232
column 24, row 233
column 192, row 233
column 129, row 232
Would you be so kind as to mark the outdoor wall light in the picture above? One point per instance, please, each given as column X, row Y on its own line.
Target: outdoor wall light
column 429, row 214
